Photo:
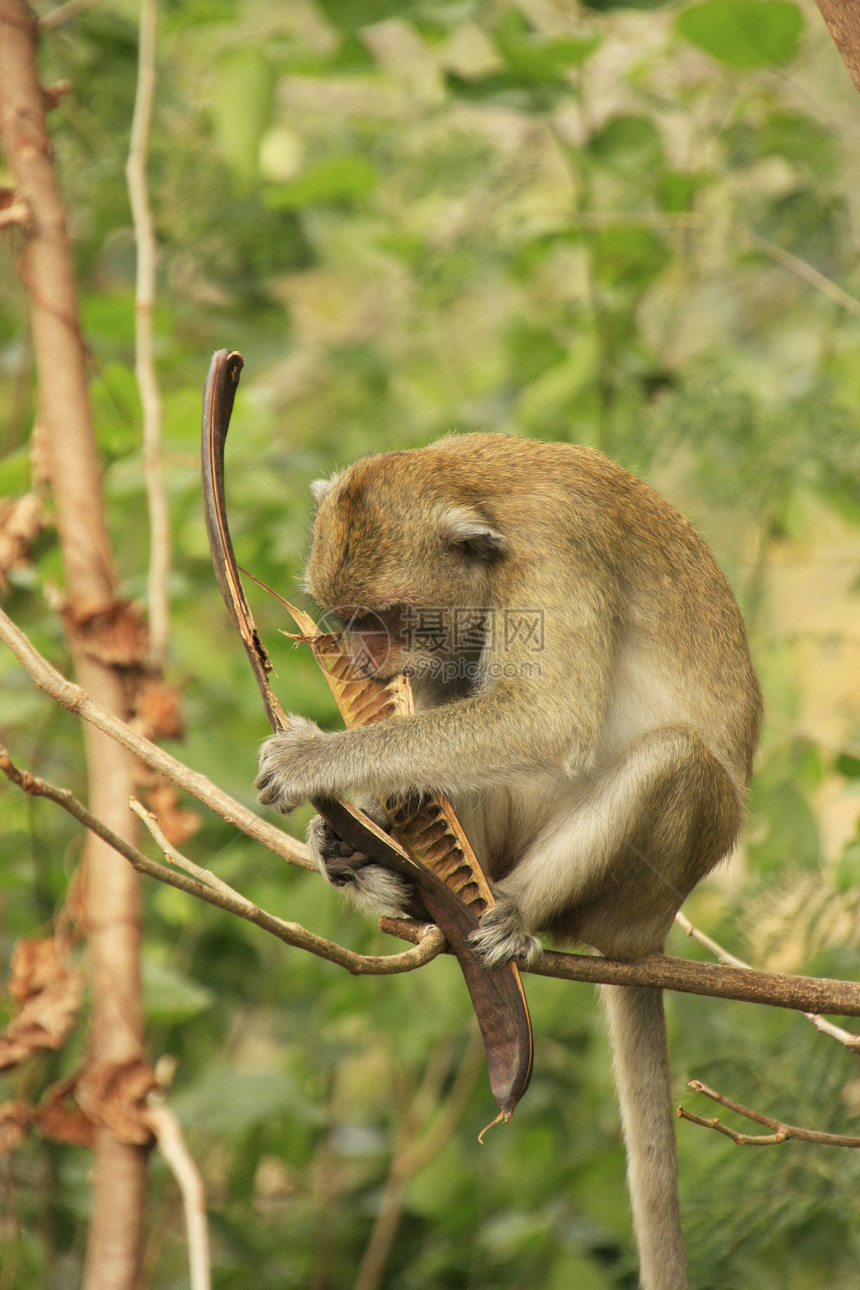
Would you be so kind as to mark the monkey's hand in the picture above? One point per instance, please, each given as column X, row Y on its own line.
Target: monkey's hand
column 373, row 888
column 503, row 935
column 290, row 766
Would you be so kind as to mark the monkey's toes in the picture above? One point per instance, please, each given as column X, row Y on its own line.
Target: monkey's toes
column 502, row 935
column 336, row 859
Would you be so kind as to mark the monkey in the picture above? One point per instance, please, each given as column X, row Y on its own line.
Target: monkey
column 585, row 696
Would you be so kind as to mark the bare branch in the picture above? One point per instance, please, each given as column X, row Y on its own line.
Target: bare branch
column 807, row 273
column 168, row 1133
column 76, row 700
column 111, row 904
column 205, row 886
column 665, row 972
column 820, row 1023
column 66, row 13
column 800, row 993
column 781, row 1132
column 174, row 857
column 144, row 359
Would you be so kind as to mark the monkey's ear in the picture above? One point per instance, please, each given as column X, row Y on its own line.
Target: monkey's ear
column 319, row 489
column 470, row 534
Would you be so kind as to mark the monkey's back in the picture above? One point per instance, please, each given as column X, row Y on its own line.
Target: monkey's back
column 571, row 505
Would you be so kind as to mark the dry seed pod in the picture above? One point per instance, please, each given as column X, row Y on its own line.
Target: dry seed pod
column 427, row 828
column 497, row 993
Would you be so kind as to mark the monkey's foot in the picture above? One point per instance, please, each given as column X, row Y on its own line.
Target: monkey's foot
column 336, row 859
column 370, row 886
column 502, row 935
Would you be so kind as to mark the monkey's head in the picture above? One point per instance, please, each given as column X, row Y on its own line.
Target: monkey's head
column 399, row 544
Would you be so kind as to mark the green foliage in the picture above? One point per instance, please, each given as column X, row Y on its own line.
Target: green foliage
column 242, row 103
column 332, row 179
column 411, row 218
column 744, row 33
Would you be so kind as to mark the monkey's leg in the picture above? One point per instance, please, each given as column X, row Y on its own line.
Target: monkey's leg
column 637, row 1033
column 620, row 853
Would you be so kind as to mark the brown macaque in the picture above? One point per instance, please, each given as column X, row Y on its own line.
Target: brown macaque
column 584, row 695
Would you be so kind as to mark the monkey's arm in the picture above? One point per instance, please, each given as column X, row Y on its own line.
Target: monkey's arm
column 472, row 743
column 533, row 710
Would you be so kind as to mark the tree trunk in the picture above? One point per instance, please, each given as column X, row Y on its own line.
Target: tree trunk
column 112, row 888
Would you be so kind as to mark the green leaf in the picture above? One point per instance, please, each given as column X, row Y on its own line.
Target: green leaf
column 352, row 14
column 628, row 256
column 807, row 145
column 848, row 766
column 169, row 997
column 242, row 107
column 603, row 6
column 848, row 869
column 744, row 33
column 116, row 411
column 535, row 59
column 15, row 473
column 334, row 179
column 224, row 1099
column 630, row 143
column 676, row 189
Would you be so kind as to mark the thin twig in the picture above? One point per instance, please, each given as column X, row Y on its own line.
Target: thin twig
column 708, row 943
column 65, row 13
column 205, row 886
column 144, row 360
column 820, row 1023
column 171, row 1142
column 174, row 857
column 807, row 273
column 76, row 700
column 694, row 220
column 782, row 1132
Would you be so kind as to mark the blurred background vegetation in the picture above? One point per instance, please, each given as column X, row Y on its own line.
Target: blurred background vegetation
column 629, row 226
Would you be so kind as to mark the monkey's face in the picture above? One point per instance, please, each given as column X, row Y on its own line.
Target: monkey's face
column 403, row 565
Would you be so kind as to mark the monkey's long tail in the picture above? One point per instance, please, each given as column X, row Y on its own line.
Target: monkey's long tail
column 637, row 1032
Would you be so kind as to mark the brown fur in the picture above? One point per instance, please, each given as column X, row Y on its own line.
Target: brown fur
column 600, row 776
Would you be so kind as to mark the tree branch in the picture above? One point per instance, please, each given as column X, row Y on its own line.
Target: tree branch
column 841, row 1036
column 203, row 884
column 781, row 1132
column 168, row 1134
column 111, row 891
column 76, row 700
column 802, row 994
column 144, row 359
